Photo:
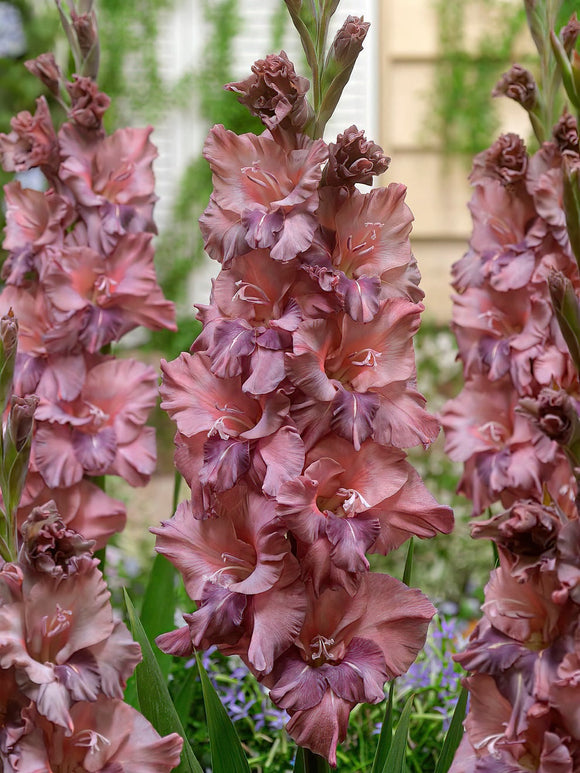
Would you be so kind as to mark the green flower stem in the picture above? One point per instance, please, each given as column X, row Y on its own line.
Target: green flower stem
column 313, row 763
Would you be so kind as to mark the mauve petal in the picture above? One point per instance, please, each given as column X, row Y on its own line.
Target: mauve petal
column 372, row 231
column 376, row 472
column 53, row 701
column 275, row 408
column 84, row 507
column 304, row 371
column 321, row 728
column 176, row 642
column 63, row 378
column 283, row 455
column 224, row 236
column 116, row 656
column 489, row 651
column 262, row 227
column 192, row 396
column 296, row 237
column 136, row 461
column 266, row 371
column 392, row 615
column 195, row 547
column 353, row 415
column 401, row 419
column 411, row 511
column 54, row 457
column 278, row 616
column 555, row 756
column 133, row 745
column 489, row 712
column 80, row 676
column 296, row 505
column 126, row 391
column 290, row 318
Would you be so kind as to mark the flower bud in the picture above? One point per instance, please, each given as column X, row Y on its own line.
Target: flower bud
column 8, row 347
column 569, row 34
column 275, row 93
column 81, row 31
column 518, row 84
column 354, row 159
column 554, row 413
column 85, row 27
column 567, row 311
column 45, row 68
column 506, row 161
column 348, row 42
column 565, row 134
column 49, row 546
column 20, row 421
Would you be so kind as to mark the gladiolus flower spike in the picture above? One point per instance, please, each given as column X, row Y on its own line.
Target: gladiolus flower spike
column 515, row 427
column 292, row 412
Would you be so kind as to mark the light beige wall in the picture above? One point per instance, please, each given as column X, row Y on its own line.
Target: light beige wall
column 438, row 190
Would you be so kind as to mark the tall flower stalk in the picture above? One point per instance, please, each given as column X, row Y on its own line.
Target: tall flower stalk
column 515, row 423
column 296, row 401
column 80, row 275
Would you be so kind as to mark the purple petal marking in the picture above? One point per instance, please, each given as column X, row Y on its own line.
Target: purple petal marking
column 224, row 462
column 232, row 342
column 360, row 297
column 353, row 414
column 351, row 538
column 96, row 452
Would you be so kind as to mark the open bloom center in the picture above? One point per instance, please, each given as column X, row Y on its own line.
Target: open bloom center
column 231, row 424
column 235, row 569
column 320, row 650
column 493, row 432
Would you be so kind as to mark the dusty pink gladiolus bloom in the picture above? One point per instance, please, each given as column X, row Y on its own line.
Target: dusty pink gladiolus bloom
column 293, row 408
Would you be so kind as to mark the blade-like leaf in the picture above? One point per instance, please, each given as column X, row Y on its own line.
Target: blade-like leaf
column 454, row 734
column 408, row 570
column 395, row 762
column 227, row 755
column 154, row 699
column 386, row 735
column 158, row 608
column 184, row 696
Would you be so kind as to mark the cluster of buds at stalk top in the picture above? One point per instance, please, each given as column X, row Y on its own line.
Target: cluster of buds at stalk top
column 79, row 275
column 515, row 427
column 65, row 661
column 293, row 409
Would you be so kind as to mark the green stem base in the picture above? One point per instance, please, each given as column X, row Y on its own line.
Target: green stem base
column 308, row 762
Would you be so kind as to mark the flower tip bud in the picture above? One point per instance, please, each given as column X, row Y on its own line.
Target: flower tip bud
column 45, row 68
column 21, row 420
column 348, row 41
column 518, row 84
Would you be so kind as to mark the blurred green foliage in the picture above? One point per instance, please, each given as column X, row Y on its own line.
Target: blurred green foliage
column 462, row 118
